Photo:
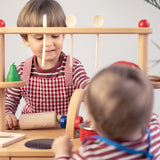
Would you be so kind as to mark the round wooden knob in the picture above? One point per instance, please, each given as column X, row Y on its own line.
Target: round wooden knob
column 71, row 21
column 78, row 120
column 2, row 23
column 63, row 121
column 98, row 21
column 144, row 23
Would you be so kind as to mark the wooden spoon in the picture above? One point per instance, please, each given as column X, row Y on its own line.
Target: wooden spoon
column 97, row 22
column 44, row 39
column 71, row 21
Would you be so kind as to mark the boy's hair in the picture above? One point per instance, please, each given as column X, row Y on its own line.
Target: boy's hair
column 120, row 100
column 32, row 13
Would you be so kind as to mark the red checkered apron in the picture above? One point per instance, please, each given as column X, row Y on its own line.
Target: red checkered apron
column 47, row 94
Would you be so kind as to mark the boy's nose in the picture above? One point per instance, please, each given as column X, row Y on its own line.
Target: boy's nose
column 49, row 40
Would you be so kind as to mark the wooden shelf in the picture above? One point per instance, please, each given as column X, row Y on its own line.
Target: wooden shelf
column 156, row 85
column 12, row 84
column 155, row 80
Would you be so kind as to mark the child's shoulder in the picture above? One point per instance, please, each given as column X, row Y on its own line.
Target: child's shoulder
column 154, row 122
column 64, row 57
column 154, row 127
column 20, row 68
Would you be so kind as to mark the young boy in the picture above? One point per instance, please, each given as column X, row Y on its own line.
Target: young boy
column 48, row 88
column 119, row 100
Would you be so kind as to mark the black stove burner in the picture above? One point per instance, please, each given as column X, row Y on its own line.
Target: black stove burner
column 39, row 143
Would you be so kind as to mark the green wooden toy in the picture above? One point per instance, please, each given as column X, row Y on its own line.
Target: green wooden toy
column 13, row 74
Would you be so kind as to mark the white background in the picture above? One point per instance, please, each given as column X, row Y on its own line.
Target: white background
column 116, row 13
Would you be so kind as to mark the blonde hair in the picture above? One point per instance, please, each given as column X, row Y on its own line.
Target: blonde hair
column 32, row 13
column 120, row 100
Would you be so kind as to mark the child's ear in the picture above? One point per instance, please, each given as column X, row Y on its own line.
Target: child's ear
column 25, row 42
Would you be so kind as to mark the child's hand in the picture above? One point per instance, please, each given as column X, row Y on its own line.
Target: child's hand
column 11, row 121
column 62, row 145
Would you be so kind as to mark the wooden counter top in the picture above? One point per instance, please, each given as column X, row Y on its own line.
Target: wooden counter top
column 19, row 149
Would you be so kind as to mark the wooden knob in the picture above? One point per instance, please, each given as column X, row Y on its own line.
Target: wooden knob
column 63, row 121
column 78, row 120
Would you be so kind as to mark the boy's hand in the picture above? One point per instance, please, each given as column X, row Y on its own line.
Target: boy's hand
column 62, row 145
column 11, row 121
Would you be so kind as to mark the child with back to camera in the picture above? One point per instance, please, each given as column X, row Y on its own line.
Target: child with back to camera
column 119, row 100
column 48, row 88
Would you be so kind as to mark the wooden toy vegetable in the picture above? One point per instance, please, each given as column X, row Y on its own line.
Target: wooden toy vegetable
column 13, row 74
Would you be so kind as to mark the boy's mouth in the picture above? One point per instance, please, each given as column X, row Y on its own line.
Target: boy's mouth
column 50, row 51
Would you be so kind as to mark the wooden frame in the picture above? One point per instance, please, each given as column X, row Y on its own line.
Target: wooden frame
column 78, row 94
column 74, row 105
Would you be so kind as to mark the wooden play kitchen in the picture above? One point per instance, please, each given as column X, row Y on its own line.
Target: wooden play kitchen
column 18, row 150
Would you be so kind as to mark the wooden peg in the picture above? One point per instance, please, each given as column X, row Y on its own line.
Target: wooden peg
column 71, row 21
column 44, row 40
column 97, row 22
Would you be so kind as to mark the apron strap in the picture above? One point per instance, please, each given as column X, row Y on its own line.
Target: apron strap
column 68, row 72
column 27, row 69
column 123, row 148
column 28, row 65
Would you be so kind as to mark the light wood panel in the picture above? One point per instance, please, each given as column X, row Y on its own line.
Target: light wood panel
column 4, row 158
column 34, row 158
column 18, row 149
column 12, row 84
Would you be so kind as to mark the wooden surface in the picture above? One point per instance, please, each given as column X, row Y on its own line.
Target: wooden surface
column 10, row 138
column 143, row 52
column 73, row 110
column 156, row 85
column 12, row 84
column 2, row 75
column 18, row 151
column 2, row 118
column 38, row 120
column 65, row 30
column 2, row 58
column 155, row 80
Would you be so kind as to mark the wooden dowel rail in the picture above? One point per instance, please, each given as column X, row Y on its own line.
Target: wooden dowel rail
column 143, row 52
column 2, row 78
column 68, row 30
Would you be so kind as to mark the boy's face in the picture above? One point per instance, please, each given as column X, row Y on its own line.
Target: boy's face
column 53, row 48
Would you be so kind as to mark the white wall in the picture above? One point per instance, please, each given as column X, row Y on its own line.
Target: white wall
column 123, row 13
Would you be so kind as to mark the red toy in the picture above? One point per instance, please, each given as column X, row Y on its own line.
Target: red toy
column 2, row 23
column 130, row 64
column 144, row 23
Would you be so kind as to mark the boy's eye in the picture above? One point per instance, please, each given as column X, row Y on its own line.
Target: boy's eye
column 55, row 36
column 39, row 38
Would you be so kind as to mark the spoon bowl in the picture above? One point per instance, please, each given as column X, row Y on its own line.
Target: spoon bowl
column 98, row 21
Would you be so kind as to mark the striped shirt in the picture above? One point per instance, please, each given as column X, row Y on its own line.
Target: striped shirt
column 98, row 150
column 80, row 80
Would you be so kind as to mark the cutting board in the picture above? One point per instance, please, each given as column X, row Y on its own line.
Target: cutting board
column 7, row 138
